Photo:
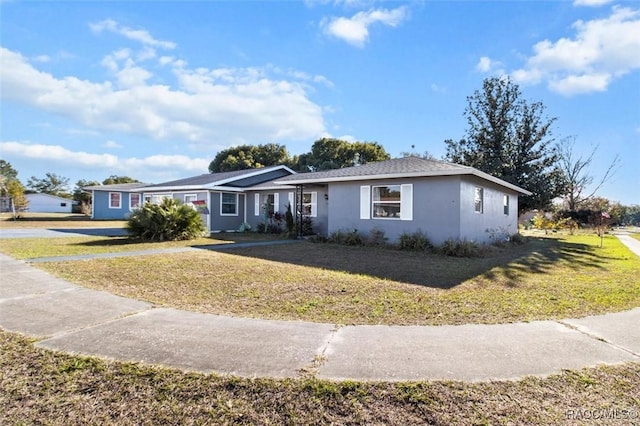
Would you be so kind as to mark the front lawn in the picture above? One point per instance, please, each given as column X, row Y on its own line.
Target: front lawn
column 547, row 278
column 38, row 386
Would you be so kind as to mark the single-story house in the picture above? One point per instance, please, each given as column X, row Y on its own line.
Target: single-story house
column 444, row 200
column 45, row 203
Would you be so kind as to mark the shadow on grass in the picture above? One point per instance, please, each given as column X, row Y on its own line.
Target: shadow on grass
column 537, row 256
column 94, row 232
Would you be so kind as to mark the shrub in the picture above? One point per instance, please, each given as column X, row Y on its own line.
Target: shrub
column 377, row 238
column 460, row 248
column 244, row 227
column 351, row 238
column 306, row 226
column 517, row 239
column 167, row 221
column 416, row 241
column 290, row 222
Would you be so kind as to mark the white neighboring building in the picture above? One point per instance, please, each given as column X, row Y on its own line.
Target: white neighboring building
column 45, row 203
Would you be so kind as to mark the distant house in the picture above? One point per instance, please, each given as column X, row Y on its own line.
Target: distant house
column 226, row 200
column 444, row 200
column 45, row 203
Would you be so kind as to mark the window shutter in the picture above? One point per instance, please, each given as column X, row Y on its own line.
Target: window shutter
column 276, row 202
column 406, row 202
column 257, row 205
column 292, row 202
column 365, row 202
column 314, row 204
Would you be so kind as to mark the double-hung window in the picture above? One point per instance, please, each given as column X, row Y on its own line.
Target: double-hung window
column 505, row 204
column 134, row 201
column 115, row 200
column 386, row 201
column 310, row 204
column 228, row 204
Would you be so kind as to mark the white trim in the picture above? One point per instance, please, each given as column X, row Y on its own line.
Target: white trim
column 506, row 204
column 276, row 202
column 184, row 197
column 236, row 204
column 406, row 201
column 244, row 198
column 256, row 207
column 119, row 200
column 291, row 198
column 257, row 172
column 365, row 202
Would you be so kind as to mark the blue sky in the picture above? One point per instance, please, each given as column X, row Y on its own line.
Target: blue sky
column 153, row 90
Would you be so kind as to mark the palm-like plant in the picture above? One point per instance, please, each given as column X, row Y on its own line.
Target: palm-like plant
column 167, row 221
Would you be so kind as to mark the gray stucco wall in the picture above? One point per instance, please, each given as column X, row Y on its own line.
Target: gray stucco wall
column 479, row 226
column 436, row 208
column 225, row 223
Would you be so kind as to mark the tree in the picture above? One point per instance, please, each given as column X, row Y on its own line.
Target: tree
column 245, row 157
column 330, row 153
column 11, row 189
column 426, row 155
column 81, row 196
column 576, row 177
column 113, row 180
column 52, row 184
column 7, row 170
column 509, row 139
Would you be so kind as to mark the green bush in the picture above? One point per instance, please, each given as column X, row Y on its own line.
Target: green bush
column 460, row 248
column 416, row 241
column 376, row 238
column 167, row 221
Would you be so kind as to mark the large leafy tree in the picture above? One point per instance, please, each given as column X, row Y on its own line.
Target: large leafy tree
column 51, row 184
column 80, row 195
column 114, row 179
column 245, row 157
column 510, row 138
column 330, row 153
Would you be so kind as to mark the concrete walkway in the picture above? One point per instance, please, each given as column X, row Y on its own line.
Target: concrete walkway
column 74, row 319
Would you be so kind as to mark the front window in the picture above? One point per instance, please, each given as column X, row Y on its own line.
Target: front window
column 190, row 198
column 479, row 200
column 229, row 204
column 134, row 201
column 114, row 200
column 386, row 202
column 309, row 204
column 505, row 204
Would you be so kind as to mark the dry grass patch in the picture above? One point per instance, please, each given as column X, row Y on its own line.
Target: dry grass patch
column 548, row 278
column 29, row 248
column 38, row 386
column 56, row 220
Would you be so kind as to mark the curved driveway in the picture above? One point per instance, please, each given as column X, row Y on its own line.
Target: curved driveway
column 74, row 319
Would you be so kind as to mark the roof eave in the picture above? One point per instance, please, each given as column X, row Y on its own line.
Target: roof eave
column 435, row 173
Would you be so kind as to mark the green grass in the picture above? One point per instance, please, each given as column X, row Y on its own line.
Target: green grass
column 39, row 386
column 27, row 248
column 547, row 278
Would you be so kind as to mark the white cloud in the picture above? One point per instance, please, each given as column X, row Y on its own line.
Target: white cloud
column 141, row 36
column 57, row 155
column 591, row 3
column 355, row 30
column 111, row 145
column 214, row 107
column 42, row 58
column 601, row 51
column 438, row 89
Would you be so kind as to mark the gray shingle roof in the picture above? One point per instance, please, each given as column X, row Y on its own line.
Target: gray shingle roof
column 389, row 167
column 204, row 179
column 406, row 167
